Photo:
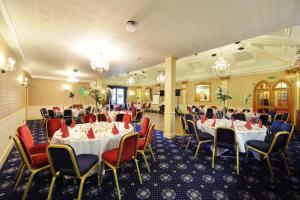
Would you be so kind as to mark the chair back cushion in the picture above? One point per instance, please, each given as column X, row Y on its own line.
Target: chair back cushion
column 280, row 142
column 128, row 147
column 225, row 138
column 139, row 116
column 61, row 159
column 191, row 127
column 239, row 116
column 119, row 117
column 67, row 113
column 182, row 122
column 52, row 126
column 278, row 117
column 51, row 114
column 264, row 119
column 26, row 136
column 209, row 113
column 189, row 117
column 285, row 116
column 286, row 127
column 145, row 126
column 272, row 113
column 149, row 135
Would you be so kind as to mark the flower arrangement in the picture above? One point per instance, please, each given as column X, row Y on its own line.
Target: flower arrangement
column 222, row 95
column 246, row 99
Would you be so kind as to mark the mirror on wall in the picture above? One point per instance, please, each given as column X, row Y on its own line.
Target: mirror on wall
column 202, row 92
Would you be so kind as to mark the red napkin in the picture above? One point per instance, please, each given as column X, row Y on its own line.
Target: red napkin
column 232, row 124
column 65, row 131
column 73, row 124
column 91, row 134
column 115, row 130
column 126, row 118
column 252, row 120
column 260, row 125
column 126, row 125
column 248, row 125
column 214, row 123
column 91, row 120
column 214, row 116
column 202, row 119
column 108, row 119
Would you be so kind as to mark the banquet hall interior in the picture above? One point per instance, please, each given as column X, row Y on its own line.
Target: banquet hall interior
column 148, row 99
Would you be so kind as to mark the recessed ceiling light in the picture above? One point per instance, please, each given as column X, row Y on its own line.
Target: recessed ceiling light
column 213, row 55
column 237, row 42
column 131, row 26
column 241, row 48
column 139, row 58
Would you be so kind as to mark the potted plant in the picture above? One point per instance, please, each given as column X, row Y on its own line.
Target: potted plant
column 222, row 96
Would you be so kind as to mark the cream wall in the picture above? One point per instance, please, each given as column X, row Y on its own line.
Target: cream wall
column 12, row 103
column 49, row 93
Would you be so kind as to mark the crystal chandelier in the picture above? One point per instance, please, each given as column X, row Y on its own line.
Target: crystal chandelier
column 73, row 78
column 160, row 77
column 131, row 80
column 8, row 66
column 220, row 65
column 99, row 63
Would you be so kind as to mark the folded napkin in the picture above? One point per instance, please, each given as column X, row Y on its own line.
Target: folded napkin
column 252, row 120
column 248, row 125
column 91, row 120
column 90, row 134
column 214, row 116
column 115, row 130
column 73, row 124
column 260, row 125
column 205, row 118
column 232, row 124
column 214, row 123
column 126, row 125
column 202, row 119
column 65, row 131
column 127, row 118
column 108, row 119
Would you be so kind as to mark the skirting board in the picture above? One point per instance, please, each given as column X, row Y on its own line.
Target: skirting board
column 6, row 153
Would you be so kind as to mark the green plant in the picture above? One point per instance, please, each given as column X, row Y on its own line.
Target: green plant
column 222, row 95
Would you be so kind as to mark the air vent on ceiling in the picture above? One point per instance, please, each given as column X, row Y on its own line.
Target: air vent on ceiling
column 244, row 56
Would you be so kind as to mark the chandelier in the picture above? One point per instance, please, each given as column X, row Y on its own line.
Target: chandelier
column 8, row 66
column 73, row 78
column 160, row 77
column 131, row 80
column 99, row 63
column 220, row 65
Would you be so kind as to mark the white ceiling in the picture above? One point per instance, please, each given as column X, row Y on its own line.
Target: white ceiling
column 52, row 36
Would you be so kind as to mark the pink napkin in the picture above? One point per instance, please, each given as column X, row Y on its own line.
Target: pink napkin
column 126, row 125
column 232, row 124
column 91, row 134
column 248, row 125
column 252, row 120
column 260, row 125
column 91, row 120
column 214, row 116
column 115, row 130
column 108, row 119
column 65, row 131
column 202, row 119
column 126, row 118
column 214, row 123
column 73, row 124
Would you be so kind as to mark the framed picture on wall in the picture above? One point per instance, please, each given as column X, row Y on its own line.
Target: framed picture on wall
column 202, row 92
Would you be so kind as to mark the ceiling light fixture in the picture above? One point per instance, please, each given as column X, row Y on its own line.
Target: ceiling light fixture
column 99, row 63
column 160, row 77
column 73, row 78
column 131, row 26
column 220, row 65
column 131, row 80
column 298, row 84
column 8, row 66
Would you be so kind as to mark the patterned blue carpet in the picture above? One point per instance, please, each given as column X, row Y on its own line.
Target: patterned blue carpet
column 175, row 175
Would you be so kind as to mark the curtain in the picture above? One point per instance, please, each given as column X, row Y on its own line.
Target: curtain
column 124, row 92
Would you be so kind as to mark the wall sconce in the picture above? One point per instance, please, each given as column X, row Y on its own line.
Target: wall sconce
column 131, row 93
column 146, row 94
column 298, row 84
column 8, row 66
column 66, row 87
column 23, row 80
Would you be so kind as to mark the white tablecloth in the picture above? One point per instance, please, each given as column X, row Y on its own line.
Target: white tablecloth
column 242, row 133
column 104, row 140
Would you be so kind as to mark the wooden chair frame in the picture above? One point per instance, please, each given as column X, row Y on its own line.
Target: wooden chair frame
column 76, row 168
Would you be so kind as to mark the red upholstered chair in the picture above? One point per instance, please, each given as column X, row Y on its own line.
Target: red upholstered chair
column 33, row 162
column 27, row 140
column 101, row 117
column 145, row 126
column 86, row 118
column 126, row 152
column 52, row 126
column 145, row 143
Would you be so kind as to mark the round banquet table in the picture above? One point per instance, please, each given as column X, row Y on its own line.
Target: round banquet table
column 104, row 140
column 242, row 133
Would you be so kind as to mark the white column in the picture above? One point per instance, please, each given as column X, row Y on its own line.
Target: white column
column 170, row 100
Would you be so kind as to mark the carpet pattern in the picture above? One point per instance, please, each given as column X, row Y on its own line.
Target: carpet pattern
column 176, row 174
